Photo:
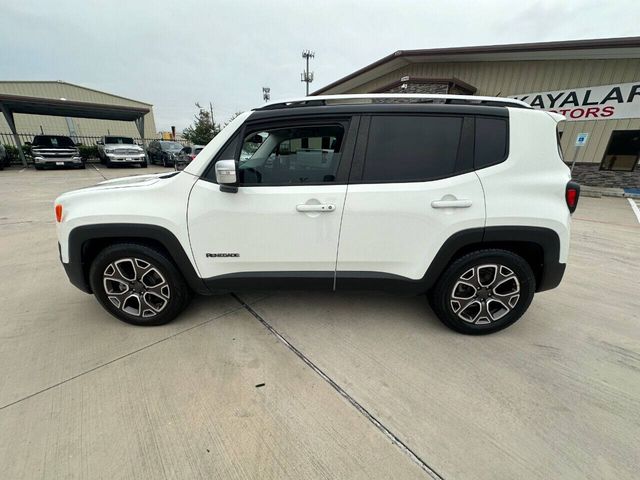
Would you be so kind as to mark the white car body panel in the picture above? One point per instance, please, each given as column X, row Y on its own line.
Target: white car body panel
column 147, row 199
column 263, row 226
column 528, row 189
column 392, row 228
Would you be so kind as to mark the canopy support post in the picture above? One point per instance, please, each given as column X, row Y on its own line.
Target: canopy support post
column 8, row 116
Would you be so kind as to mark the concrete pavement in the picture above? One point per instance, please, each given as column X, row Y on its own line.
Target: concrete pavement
column 370, row 386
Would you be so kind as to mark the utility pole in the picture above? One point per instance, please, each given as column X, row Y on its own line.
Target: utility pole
column 307, row 76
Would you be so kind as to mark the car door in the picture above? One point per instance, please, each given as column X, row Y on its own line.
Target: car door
column 413, row 187
column 283, row 223
column 151, row 151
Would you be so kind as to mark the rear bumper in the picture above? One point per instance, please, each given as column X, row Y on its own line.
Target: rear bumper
column 551, row 276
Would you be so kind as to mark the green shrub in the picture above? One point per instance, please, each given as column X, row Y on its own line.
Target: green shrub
column 88, row 151
column 13, row 155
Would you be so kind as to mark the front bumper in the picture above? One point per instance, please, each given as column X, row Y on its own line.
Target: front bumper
column 126, row 158
column 76, row 273
column 59, row 162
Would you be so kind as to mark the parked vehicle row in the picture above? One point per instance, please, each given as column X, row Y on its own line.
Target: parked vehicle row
column 48, row 151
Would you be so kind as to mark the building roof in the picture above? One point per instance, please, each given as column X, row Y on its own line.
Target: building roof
column 602, row 48
column 61, row 82
column 67, row 108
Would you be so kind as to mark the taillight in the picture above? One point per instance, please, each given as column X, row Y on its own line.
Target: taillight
column 58, row 210
column 571, row 195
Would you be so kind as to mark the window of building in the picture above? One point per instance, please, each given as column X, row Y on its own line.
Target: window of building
column 491, row 141
column 291, row 156
column 411, row 148
column 622, row 152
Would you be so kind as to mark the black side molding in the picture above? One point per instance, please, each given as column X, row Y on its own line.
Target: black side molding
column 310, row 280
column 82, row 238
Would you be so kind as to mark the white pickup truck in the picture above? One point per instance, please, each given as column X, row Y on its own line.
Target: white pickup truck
column 114, row 151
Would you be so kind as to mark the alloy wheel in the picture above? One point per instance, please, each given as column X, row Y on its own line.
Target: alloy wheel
column 485, row 293
column 136, row 287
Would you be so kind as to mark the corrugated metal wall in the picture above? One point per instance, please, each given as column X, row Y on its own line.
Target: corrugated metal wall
column 513, row 77
column 83, row 126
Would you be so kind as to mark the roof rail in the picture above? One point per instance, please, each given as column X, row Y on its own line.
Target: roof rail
column 359, row 99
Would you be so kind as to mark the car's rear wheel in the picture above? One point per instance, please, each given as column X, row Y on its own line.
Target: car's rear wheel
column 138, row 284
column 483, row 291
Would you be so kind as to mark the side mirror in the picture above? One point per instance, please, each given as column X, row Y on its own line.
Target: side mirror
column 226, row 175
column 99, row 142
column 78, row 144
column 28, row 144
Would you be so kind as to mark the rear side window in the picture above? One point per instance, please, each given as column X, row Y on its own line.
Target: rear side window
column 411, row 148
column 491, row 141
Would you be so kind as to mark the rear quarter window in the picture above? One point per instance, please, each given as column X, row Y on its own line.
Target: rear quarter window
column 491, row 141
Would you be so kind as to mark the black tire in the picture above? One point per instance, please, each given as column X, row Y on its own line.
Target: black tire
column 38, row 167
column 499, row 308
column 164, row 161
column 175, row 292
column 143, row 165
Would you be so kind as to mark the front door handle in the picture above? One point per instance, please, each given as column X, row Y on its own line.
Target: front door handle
column 462, row 203
column 316, row 208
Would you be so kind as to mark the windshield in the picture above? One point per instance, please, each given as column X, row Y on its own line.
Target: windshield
column 171, row 146
column 52, row 141
column 118, row 140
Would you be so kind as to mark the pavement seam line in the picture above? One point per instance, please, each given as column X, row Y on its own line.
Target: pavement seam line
column 344, row 394
column 99, row 172
column 97, row 367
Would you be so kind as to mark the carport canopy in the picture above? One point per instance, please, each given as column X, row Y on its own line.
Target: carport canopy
column 12, row 104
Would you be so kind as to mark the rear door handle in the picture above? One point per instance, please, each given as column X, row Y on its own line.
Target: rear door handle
column 316, row 208
column 462, row 203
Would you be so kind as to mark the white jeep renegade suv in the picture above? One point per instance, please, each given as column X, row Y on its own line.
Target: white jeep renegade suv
column 466, row 199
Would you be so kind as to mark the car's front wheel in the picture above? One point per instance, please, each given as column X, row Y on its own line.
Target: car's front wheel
column 483, row 291
column 138, row 284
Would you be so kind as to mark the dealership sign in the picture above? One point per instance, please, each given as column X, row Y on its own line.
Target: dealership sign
column 604, row 102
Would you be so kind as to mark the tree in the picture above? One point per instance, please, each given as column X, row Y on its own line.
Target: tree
column 204, row 127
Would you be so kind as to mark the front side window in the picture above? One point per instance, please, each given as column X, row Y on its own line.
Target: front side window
column 291, row 156
column 411, row 148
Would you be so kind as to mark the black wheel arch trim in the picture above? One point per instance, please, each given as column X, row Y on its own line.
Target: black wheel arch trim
column 80, row 239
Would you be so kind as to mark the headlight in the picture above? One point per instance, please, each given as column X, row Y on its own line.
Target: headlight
column 109, row 150
column 76, row 158
column 38, row 158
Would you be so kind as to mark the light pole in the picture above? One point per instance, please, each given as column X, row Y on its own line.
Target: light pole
column 307, row 76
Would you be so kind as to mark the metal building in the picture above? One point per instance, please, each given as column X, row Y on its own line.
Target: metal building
column 594, row 83
column 28, row 125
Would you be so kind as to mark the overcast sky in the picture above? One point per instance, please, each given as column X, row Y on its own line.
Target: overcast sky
column 172, row 54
